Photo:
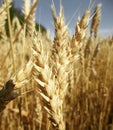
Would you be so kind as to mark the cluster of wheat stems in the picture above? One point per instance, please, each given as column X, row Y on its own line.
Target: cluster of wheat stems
column 62, row 84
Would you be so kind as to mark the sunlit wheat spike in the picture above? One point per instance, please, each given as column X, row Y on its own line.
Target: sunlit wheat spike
column 22, row 76
column 3, row 17
column 26, row 8
column 42, row 74
column 96, row 20
column 85, row 19
column 31, row 21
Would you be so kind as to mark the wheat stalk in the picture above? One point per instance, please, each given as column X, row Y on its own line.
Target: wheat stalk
column 11, row 37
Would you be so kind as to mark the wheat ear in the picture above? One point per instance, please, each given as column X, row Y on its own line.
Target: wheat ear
column 61, row 58
column 9, row 90
column 3, row 17
column 45, row 79
column 96, row 20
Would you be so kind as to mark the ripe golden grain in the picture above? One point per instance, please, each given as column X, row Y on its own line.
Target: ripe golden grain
column 60, row 84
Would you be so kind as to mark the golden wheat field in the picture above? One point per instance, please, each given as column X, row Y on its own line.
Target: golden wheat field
column 65, row 83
